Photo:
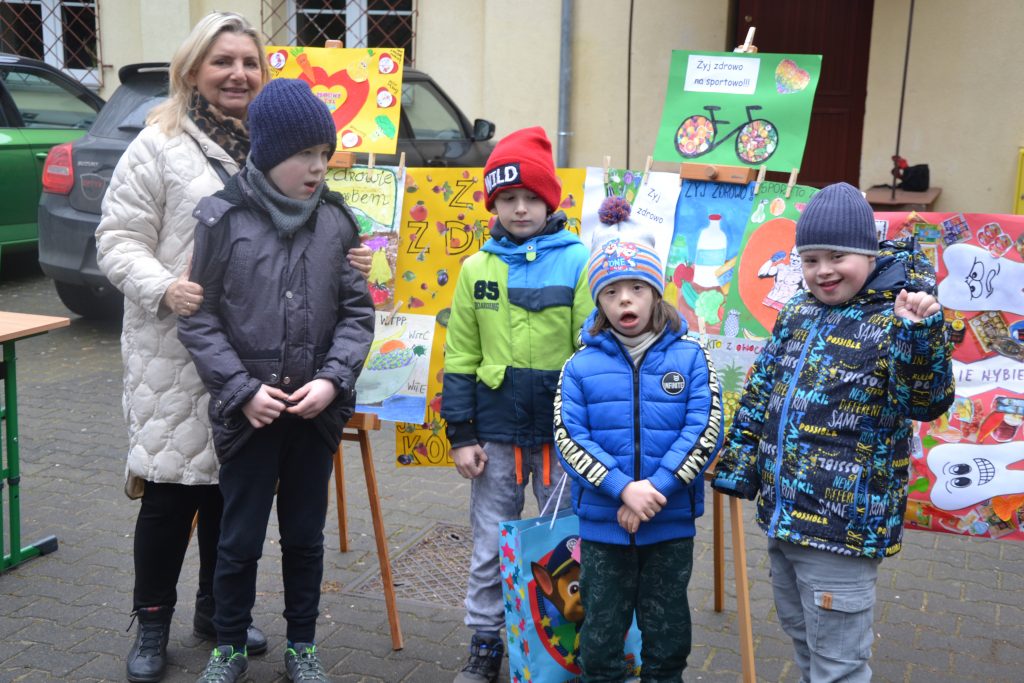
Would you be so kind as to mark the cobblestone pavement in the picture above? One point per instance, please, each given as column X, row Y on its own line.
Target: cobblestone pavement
column 949, row 608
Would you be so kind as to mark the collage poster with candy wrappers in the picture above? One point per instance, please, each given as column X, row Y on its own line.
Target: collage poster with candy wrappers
column 967, row 476
column 444, row 222
column 361, row 86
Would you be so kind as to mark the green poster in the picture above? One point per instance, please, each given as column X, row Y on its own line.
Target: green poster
column 737, row 109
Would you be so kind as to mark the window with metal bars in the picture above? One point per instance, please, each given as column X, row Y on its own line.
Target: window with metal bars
column 357, row 23
column 61, row 33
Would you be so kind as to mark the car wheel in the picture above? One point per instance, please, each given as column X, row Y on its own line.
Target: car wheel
column 88, row 303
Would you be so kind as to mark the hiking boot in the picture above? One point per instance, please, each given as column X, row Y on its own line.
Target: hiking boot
column 484, row 663
column 302, row 663
column 202, row 627
column 147, row 660
column 226, row 665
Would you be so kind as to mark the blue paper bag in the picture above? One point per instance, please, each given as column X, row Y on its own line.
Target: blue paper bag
column 540, row 572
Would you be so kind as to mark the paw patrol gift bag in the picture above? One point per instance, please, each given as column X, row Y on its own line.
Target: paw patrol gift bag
column 540, row 571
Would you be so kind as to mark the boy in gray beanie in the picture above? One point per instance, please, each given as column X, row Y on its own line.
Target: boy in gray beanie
column 822, row 435
column 279, row 341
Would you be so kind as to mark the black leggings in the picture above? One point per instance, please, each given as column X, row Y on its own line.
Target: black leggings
column 162, row 535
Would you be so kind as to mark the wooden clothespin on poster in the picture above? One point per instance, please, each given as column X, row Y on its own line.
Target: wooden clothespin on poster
column 647, row 169
column 607, row 165
column 748, row 44
column 371, row 160
column 792, row 181
column 760, row 178
column 401, row 166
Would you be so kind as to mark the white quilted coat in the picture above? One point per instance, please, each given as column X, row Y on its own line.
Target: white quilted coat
column 143, row 243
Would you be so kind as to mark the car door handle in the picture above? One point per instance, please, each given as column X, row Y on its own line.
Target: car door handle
column 42, row 155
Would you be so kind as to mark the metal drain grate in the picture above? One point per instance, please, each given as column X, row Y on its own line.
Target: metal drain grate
column 431, row 570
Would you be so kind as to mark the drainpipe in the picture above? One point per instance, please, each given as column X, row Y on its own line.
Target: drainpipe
column 565, row 85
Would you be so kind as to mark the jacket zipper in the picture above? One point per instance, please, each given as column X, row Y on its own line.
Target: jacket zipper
column 636, row 416
column 776, row 513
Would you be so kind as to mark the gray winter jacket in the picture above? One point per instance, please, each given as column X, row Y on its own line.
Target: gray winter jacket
column 275, row 311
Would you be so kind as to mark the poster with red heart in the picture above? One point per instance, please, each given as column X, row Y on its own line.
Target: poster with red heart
column 361, row 86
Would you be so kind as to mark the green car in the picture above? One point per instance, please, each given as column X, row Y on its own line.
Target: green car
column 39, row 107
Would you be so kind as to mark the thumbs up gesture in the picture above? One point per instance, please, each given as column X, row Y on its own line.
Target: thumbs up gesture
column 915, row 306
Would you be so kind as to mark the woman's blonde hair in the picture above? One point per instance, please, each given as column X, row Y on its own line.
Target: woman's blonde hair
column 662, row 314
column 170, row 114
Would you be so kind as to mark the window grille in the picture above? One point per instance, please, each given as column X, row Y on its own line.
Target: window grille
column 357, row 23
column 62, row 33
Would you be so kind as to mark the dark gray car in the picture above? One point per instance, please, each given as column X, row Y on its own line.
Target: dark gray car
column 432, row 132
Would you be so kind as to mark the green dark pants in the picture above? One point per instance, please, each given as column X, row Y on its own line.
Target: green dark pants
column 652, row 579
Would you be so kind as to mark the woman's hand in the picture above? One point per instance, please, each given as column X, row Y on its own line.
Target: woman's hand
column 265, row 406
column 309, row 400
column 184, row 297
column 360, row 259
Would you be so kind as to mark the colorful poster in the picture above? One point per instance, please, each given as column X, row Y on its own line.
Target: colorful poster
column 444, row 221
column 767, row 272
column 394, row 379
column 375, row 197
column 737, row 109
column 629, row 207
column 361, row 86
column 966, row 473
column 733, row 360
column 710, row 219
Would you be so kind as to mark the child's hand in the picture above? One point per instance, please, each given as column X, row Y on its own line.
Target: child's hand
column 915, row 306
column 360, row 258
column 310, row 399
column 469, row 460
column 265, row 406
column 643, row 499
column 628, row 519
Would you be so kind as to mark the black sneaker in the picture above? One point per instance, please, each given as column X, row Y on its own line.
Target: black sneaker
column 484, row 663
column 302, row 663
column 226, row 665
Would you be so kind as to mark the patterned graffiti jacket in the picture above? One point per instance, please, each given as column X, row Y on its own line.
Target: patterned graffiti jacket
column 616, row 422
column 516, row 317
column 823, row 432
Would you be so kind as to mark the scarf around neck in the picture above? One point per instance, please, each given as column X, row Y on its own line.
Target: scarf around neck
column 637, row 345
column 231, row 134
column 287, row 214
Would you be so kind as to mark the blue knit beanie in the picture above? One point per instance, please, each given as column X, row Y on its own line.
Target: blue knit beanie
column 838, row 218
column 617, row 260
column 284, row 119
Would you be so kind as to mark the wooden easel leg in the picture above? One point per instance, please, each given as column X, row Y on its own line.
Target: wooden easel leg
column 397, row 643
column 339, row 489
column 739, row 557
column 719, row 550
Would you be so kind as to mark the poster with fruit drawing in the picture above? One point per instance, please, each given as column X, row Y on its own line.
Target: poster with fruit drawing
column 361, row 86
column 621, row 204
column 737, row 109
column 375, row 196
column 444, row 221
column 394, row 379
column 709, row 222
column 734, row 362
column 967, row 473
column 767, row 270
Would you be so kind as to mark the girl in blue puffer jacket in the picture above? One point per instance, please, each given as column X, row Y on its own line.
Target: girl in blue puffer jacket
column 638, row 417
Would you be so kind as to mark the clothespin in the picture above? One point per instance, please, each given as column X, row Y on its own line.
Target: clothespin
column 394, row 311
column 647, row 169
column 607, row 165
column 792, row 181
column 760, row 178
column 334, row 43
column 748, row 45
column 401, row 166
column 372, row 159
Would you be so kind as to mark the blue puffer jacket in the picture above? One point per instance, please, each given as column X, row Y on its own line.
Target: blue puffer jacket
column 616, row 423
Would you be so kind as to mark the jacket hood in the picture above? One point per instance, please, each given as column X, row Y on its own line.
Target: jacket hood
column 902, row 265
column 607, row 342
column 553, row 234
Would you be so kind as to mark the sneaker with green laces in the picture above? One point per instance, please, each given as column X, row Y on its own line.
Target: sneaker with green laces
column 302, row 663
column 226, row 665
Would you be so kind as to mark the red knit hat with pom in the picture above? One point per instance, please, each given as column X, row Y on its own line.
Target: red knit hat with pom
column 523, row 159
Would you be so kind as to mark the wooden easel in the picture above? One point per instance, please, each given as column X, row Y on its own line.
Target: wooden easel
column 360, row 425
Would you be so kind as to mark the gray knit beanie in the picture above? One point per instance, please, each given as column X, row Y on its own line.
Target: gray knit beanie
column 839, row 218
column 286, row 118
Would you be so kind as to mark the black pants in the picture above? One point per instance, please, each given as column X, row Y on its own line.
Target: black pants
column 615, row 580
column 161, row 538
column 291, row 455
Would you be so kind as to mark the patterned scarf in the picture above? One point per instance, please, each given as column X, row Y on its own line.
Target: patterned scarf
column 230, row 133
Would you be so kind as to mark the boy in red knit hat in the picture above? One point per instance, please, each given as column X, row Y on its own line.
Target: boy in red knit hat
column 518, row 308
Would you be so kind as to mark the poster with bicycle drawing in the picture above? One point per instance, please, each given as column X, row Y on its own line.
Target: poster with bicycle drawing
column 737, row 109
column 967, row 475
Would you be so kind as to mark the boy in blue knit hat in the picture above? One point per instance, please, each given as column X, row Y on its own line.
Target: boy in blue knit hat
column 279, row 341
column 823, row 431
column 638, row 417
